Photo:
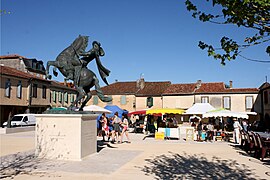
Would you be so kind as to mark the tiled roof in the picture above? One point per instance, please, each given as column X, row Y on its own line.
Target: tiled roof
column 68, row 84
column 5, row 70
column 180, row 89
column 150, row 88
column 61, row 85
column 153, row 88
column 265, row 85
column 211, row 87
column 119, row 88
column 166, row 88
column 219, row 87
column 215, row 87
column 242, row 90
column 14, row 72
column 11, row 56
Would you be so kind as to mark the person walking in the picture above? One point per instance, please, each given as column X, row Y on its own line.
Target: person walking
column 245, row 125
column 105, row 127
column 199, row 130
column 124, row 125
column 116, row 128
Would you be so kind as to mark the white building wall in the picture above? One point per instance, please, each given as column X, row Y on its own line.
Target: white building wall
column 183, row 102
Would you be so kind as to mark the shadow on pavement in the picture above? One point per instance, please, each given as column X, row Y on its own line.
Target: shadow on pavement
column 103, row 144
column 176, row 166
column 20, row 163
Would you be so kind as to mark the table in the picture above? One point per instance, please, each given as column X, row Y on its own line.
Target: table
column 170, row 132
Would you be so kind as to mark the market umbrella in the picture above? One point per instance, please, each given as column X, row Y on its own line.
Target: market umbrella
column 165, row 111
column 96, row 109
column 199, row 108
column 138, row 112
column 113, row 109
column 224, row 113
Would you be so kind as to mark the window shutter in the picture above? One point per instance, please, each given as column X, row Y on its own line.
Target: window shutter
column 123, row 100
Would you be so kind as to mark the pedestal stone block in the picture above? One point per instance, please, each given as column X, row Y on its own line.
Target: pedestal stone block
column 66, row 136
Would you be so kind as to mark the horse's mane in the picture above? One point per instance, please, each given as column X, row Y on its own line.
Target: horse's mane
column 80, row 43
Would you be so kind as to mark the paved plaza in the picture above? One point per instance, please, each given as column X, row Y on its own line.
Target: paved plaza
column 144, row 158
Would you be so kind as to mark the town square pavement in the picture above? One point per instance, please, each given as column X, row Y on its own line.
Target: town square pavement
column 143, row 158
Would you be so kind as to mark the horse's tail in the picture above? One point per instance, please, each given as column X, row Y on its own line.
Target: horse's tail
column 102, row 97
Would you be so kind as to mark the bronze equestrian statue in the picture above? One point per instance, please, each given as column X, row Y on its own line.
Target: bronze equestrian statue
column 72, row 63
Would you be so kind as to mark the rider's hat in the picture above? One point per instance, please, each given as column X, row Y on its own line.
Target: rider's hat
column 95, row 42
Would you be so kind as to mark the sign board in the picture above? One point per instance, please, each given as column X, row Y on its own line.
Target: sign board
column 189, row 134
column 159, row 135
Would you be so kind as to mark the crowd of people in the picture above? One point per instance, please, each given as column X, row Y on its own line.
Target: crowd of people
column 114, row 128
column 216, row 127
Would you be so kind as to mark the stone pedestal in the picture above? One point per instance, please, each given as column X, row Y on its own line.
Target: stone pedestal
column 66, row 136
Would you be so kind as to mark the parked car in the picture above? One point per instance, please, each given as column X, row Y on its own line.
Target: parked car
column 22, row 120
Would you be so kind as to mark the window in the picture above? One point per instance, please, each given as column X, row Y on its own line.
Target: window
column 60, row 96
column 123, row 100
column 205, row 99
column 38, row 66
column 25, row 119
column 54, row 96
column 19, row 90
column 265, row 97
column 34, row 93
column 95, row 100
column 149, row 102
column 34, row 64
column 227, row 102
column 44, row 90
column 66, row 97
column 249, row 102
column 7, row 88
column 71, row 98
column 50, row 96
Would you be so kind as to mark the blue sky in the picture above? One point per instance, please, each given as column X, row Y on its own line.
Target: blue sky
column 156, row 38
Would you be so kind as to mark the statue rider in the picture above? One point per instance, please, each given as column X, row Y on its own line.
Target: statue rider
column 88, row 56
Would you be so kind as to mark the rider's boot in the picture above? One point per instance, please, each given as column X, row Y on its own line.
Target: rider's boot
column 77, row 75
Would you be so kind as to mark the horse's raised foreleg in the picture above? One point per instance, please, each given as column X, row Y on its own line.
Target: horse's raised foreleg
column 51, row 63
column 99, row 91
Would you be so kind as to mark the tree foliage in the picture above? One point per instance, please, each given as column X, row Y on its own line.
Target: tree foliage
column 2, row 12
column 250, row 14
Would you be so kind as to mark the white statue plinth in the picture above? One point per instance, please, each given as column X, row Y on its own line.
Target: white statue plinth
column 66, row 136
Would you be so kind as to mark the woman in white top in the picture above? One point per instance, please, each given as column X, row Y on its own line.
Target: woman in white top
column 124, row 125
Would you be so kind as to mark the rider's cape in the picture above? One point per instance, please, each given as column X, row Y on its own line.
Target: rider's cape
column 103, row 72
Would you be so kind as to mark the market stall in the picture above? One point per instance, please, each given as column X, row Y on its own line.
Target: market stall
column 167, row 125
column 224, row 113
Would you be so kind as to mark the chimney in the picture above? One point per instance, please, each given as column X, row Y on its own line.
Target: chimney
column 230, row 84
column 199, row 83
column 140, row 83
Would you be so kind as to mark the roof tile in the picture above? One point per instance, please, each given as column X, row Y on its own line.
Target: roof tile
column 180, row 89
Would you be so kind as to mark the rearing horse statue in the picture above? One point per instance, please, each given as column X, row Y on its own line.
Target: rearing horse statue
column 73, row 67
